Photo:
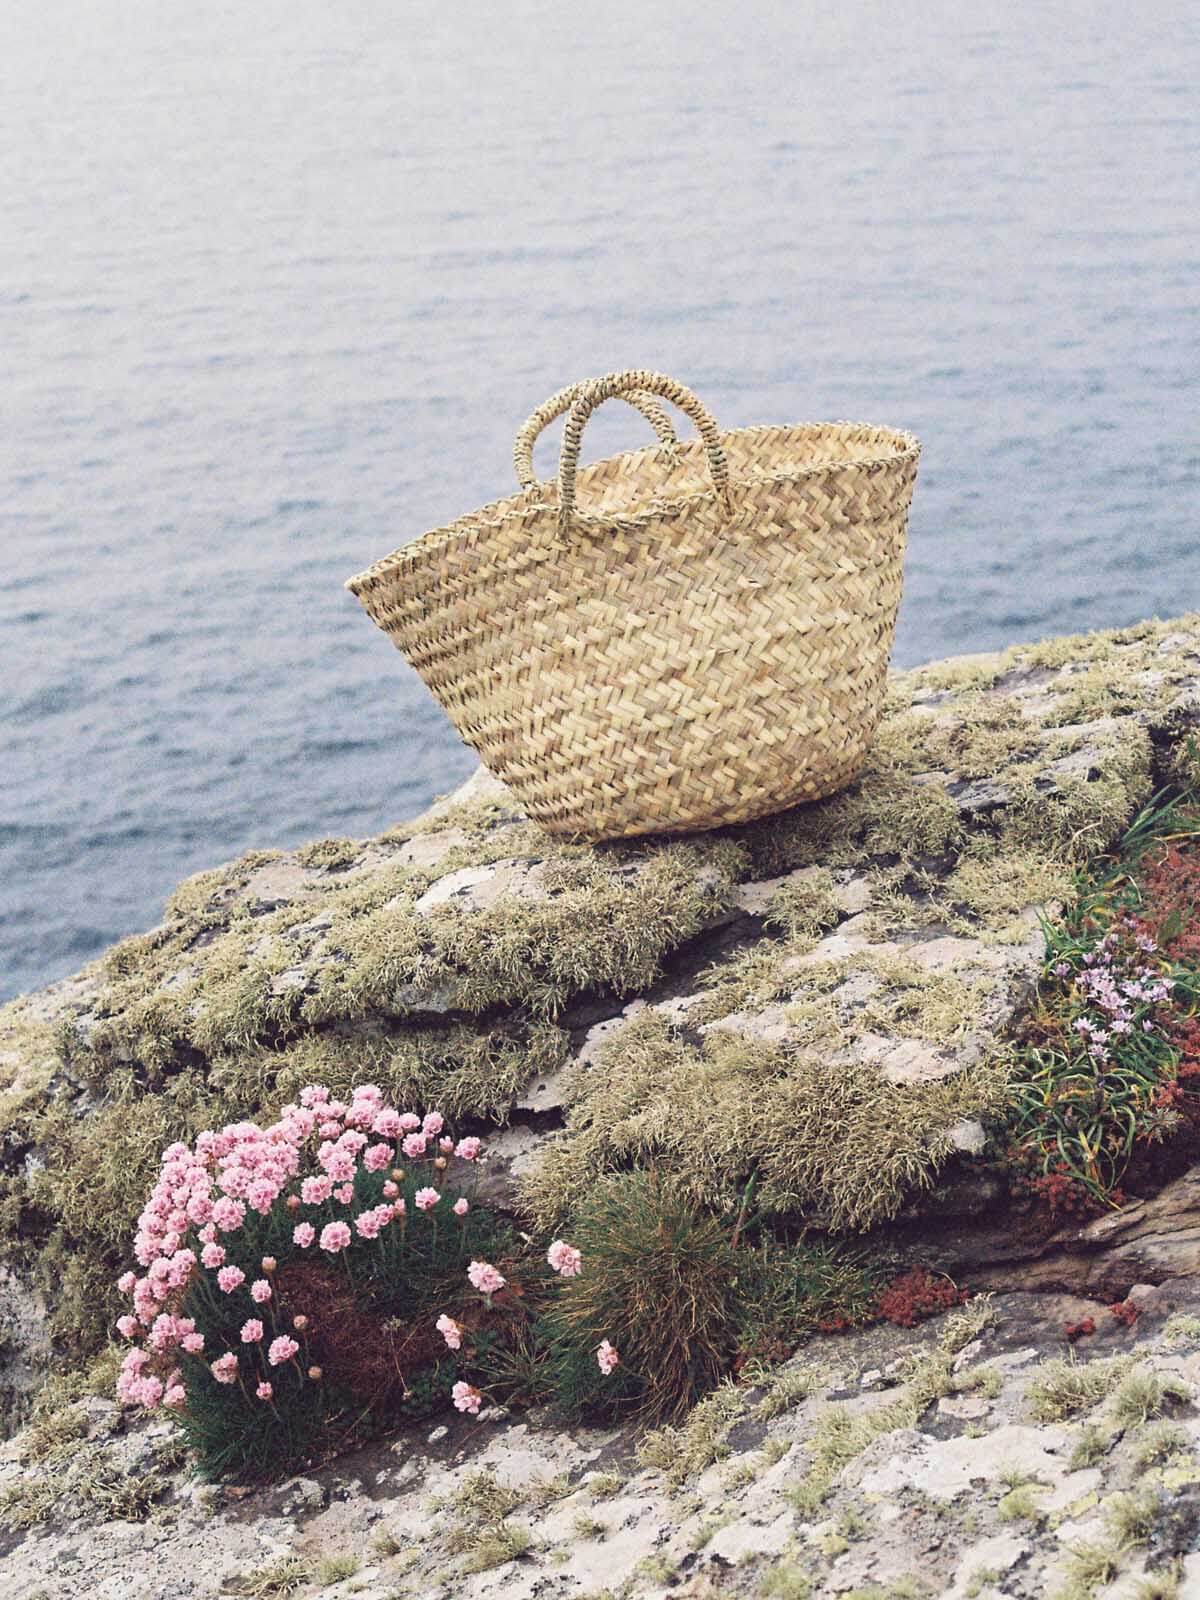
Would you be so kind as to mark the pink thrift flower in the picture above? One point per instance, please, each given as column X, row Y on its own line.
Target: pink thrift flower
column 313, row 1191
column 335, row 1236
column 162, row 1334
column 261, row 1195
column 228, row 1214
column 377, row 1156
column 260, row 1291
column 485, row 1277
column 126, row 1282
column 281, row 1349
column 409, row 1121
column 339, row 1164
column 387, row 1124
column 252, row 1331
column 193, row 1343
column 433, row 1124
column 264, row 1390
column 225, row 1368
column 234, row 1180
column 213, row 1255
column 450, row 1331
column 390, row 1190
column 414, row 1145
column 606, row 1357
column 468, row 1149
column 175, row 1397
column 565, row 1259
column 426, row 1199
column 314, row 1094
column 150, row 1392
column 367, row 1225
column 229, row 1278
column 466, row 1398
column 303, row 1234
column 345, row 1194
column 182, row 1263
column 461, row 1207
column 127, row 1326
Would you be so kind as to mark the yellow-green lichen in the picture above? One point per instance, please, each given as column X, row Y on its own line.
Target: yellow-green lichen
column 804, row 906
column 1069, row 815
column 64, row 1472
column 1061, row 1389
column 841, row 1433
column 681, row 1452
column 834, row 1141
column 979, row 735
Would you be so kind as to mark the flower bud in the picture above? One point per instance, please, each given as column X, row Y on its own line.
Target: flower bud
column 315, row 1374
column 293, row 1202
column 300, row 1321
column 269, row 1264
column 397, row 1174
column 440, row 1163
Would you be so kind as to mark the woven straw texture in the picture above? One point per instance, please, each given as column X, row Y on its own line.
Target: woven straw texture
column 673, row 638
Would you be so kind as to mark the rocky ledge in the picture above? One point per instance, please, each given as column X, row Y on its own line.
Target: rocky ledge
column 967, row 1460
column 827, row 997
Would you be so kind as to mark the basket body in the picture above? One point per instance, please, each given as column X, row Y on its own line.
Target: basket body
column 673, row 659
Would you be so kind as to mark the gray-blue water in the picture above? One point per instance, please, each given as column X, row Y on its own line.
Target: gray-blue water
column 278, row 281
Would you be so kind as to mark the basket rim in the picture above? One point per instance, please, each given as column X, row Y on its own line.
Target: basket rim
column 906, row 446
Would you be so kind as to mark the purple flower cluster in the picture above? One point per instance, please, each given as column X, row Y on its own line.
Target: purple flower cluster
column 1118, row 989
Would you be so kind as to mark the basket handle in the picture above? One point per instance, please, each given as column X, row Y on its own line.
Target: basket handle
column 619, row 385
column 545, row 414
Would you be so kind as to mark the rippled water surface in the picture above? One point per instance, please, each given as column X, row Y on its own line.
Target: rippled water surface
column 277, row 282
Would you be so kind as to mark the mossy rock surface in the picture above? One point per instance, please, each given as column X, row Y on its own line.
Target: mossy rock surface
column 824, row 994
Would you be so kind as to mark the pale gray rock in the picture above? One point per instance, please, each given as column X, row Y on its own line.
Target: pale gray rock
column 477, row 888
column 922, row 1498
column 429, row 849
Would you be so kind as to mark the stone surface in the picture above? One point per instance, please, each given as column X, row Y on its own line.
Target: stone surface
column 930, row 1497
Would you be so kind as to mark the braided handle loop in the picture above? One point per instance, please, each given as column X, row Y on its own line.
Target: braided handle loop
column 545, row 414
column 619, row 385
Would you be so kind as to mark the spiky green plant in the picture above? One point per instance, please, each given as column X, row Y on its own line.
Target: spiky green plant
column 660, row 1285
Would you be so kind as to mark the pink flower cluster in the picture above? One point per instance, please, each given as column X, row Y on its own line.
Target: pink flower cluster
column 466, row 1397
column 486, row 1278
column 1118, row 989
column 607, row 1358
column 565, row 1259
column 136, row 1386
column 321, row 1153
column 450, row 1331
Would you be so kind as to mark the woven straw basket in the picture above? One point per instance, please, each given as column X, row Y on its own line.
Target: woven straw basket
column 676, row 637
